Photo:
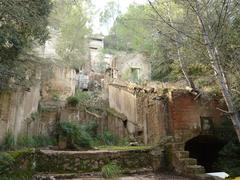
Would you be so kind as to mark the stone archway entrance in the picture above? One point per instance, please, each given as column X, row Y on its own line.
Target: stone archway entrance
column 205, row 149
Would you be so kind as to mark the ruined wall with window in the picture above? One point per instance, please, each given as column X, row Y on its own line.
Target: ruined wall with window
column 175, row 112
column 192, row 116
column 132, row 67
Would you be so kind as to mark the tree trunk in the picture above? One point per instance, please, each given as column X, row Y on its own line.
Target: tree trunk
column 179, row 56
column 219, row 72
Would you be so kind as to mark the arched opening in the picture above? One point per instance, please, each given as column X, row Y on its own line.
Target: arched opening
column 205, row 149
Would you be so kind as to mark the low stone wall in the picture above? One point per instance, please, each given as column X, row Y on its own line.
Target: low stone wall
column 91, row 161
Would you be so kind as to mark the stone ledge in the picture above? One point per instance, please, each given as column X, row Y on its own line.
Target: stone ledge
column 49, row 161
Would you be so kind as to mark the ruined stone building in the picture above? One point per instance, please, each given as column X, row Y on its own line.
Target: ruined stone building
column 152, row 116
column 131, row 67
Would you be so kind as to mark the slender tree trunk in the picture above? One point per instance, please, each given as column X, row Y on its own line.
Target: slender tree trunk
column 183, row 67
column 219, row 72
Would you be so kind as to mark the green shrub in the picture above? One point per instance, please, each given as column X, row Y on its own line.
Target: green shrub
column 229, row 156
column 25, row 141
column 34, row 141
column 76, row 136
column 73, row 101
column 55, row 97
column 43, row 141
column 110, row 139
column 83, row 96
column 111, row 170
column 91, row 127
column 8, row 142
column 10, row 169
column 6, row 164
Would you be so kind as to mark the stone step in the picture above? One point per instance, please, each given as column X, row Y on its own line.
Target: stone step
column 182, row 154
column 178, row 146
column 194, row 169
column 188, row 161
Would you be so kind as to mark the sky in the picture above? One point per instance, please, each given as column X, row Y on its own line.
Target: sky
column 99, row 6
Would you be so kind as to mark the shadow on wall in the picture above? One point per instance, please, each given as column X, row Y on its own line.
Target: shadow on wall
column 205, row 149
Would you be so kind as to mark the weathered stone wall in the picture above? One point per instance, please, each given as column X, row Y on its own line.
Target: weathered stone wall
column 62, row 84
column 16, row 108
column 91, row 161
column 155, row 120
column 155, row 115
column 186, row 112
column 124, row 102
column 106, row 119
column 124, row 63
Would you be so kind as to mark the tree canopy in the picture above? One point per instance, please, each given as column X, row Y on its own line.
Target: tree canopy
column 22, row 24
column 193, row 40
column 72, row 20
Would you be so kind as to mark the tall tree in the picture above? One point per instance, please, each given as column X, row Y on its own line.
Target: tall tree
column 213, row 18
column 71, row 18
column 22, row 24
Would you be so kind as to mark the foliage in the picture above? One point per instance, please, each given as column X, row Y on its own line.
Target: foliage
column 229, row 156
column 80, row 97
column 10, row 168
column 34, row 141
column 22, row 24
column 111, row 139
column 111, row 170
column 25, row 141
column 110, row 13
column 73, row 101
column 76, row 136
column 71, row 19
column 83, row 96
column 90, row 127
column 55, row 97
column 8, row 142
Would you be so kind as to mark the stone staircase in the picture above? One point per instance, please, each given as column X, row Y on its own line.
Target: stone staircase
column 182, row 163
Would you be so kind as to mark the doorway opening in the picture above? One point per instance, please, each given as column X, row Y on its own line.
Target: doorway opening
column 205, row 149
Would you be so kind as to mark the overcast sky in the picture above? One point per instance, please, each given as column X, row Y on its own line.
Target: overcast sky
column 99, row 4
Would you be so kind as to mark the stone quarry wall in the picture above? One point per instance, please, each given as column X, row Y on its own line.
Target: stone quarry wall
column 124, row 102
column 16, row 108
column 61, row 84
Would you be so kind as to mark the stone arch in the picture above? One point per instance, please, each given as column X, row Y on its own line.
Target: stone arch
column 205, row 149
